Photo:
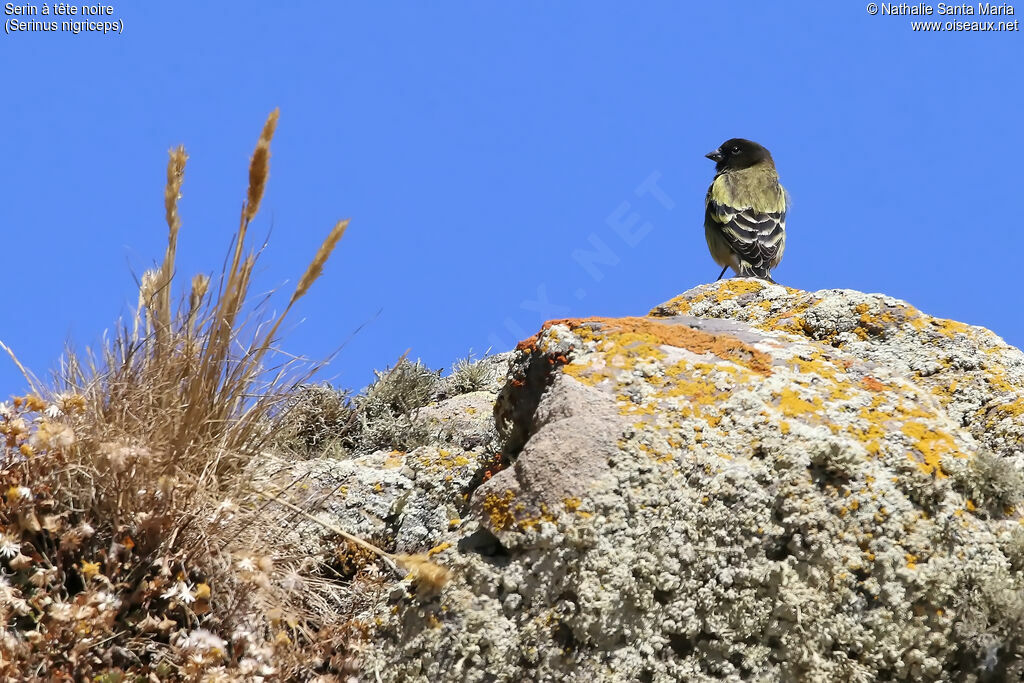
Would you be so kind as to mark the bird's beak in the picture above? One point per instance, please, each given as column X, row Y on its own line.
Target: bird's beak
column 715, row 156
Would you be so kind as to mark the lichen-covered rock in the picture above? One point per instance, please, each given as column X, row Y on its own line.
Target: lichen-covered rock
column 976, row 376
column 751, row 483
column 403, row 500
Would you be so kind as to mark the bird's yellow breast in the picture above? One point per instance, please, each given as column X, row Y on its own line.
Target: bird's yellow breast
column 756, row 187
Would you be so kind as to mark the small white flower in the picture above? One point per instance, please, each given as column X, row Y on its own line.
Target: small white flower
column 9, row 547
column 247, row 564
column 20, row 606
column 202, row 640
column 53, row 412
column 60, row 611
column 5, row 410
column 217, row 674
column 106, row 601
column 24, row 493
column 61, row 435
column 181, row 592
column 40, row 577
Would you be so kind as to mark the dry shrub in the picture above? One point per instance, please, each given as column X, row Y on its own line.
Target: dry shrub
column 317, row 418
column 470, row 375
column 131, row 541
column 314, row 418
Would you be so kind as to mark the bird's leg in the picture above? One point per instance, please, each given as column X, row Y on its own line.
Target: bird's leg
column 721, row 274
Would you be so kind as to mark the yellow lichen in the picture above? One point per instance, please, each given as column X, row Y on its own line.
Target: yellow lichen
column 729, row 289
column 499, row 510
column 438, row 548
column 792, row 405
column 630, row 336
column 932, row 446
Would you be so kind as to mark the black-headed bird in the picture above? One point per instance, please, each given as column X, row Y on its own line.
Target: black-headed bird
column 745, row 210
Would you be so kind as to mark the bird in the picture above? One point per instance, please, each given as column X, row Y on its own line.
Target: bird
column 745, row 210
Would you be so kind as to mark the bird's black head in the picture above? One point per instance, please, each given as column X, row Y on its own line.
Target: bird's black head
column 737, row 153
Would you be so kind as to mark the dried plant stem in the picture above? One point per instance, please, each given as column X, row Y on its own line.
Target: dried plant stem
column 383, row 554
column 33, row 382
column 313, row 272
column 157, row 431
column 172, row 191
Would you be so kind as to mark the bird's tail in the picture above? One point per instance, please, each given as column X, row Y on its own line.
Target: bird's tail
column 750, row 270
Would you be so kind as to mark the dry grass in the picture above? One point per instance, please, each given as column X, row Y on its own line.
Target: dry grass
column 318, row 420
column 131, row 540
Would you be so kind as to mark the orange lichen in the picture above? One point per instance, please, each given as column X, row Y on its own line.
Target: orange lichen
column 665, row 334
column 873, row 384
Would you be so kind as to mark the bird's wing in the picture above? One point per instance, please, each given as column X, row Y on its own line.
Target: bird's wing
column 758, row 238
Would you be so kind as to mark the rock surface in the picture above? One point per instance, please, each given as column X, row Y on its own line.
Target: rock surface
column 750, row 483
column 404, row 501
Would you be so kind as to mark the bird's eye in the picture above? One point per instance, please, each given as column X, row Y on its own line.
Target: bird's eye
column 735, row 150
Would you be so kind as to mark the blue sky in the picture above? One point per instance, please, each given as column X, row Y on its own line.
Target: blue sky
column 478, row 146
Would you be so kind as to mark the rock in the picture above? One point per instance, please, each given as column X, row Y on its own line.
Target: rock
column 751, row 483
column 403, row 501
column 976, row 376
